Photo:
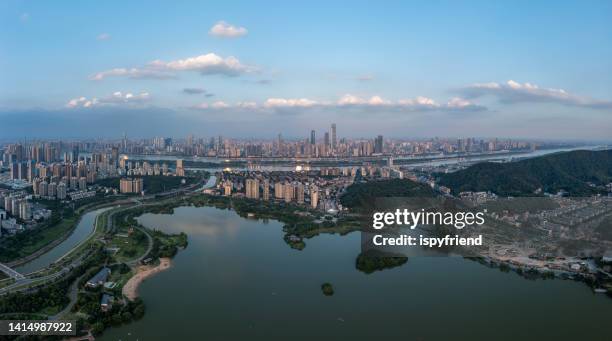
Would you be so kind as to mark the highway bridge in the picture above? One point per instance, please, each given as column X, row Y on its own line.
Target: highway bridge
column 12, row 273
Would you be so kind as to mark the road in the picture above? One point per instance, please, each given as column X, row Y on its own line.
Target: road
column 12, row 273
column 22, row 282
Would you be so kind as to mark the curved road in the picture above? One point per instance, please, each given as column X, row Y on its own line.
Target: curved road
column 73, row 290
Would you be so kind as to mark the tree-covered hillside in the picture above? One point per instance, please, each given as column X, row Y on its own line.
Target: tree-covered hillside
column 573, row 172
column 361, row 194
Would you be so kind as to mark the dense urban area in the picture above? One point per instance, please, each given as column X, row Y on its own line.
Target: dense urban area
column 312, row 185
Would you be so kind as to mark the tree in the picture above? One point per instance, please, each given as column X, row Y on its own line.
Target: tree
column 97, row 328
column 126, row 316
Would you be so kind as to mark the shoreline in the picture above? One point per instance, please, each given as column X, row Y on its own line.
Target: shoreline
column 130, row 289
column 49, row 246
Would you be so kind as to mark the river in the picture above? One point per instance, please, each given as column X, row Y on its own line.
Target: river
column 84, row 228
column 238, row 280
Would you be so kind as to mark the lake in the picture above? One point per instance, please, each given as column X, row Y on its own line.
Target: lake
column 238, row 280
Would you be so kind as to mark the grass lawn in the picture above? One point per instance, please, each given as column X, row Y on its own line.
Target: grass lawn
column 49, row 234
column 130, row 247
column 25, row 243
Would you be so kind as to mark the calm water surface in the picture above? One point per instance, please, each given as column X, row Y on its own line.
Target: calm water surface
column 238, row 280
column 84, row 228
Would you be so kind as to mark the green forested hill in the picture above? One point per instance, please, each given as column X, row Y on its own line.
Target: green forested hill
column 359, row 195
column 570, row 171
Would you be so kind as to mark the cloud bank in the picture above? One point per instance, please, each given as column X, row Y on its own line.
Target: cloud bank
column 515, row 92
column 348, row 101
column 206, row 64
column 116, row 98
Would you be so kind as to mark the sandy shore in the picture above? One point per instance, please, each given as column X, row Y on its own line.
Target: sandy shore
column 130, row 289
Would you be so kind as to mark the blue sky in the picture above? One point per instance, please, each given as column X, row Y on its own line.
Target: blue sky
column 423, row 68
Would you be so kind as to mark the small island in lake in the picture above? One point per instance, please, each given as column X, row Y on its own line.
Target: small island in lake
column 327, row 288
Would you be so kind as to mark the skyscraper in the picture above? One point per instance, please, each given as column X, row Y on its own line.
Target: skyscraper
column 180, row 171
column 299, row 192
column 378, row 144
column 314, row 197
column 266, row 189
column 312, row 137
column 115, row 156
column 61, row 191
column 333, row 136
column 124, row 142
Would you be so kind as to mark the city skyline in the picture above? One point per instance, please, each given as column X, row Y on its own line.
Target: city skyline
column 426, row 70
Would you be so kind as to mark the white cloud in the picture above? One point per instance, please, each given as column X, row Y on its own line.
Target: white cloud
column 349, row 101
column 82, row 102
column 289, row 102
column 516, row 92
column 352, row 100
column 247, row 105
column 134, row 73
column 220, row 105
column 458, row 102
column 419, row 101
column 206, row 64
column 224, row 30
column 116, row 98
column 103, row 36
column 128, row 97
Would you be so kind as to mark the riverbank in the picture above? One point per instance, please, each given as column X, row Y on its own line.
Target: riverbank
column 130, row 289
column 57, row 241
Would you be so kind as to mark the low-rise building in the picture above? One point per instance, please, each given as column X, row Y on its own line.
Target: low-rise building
column 99, row 278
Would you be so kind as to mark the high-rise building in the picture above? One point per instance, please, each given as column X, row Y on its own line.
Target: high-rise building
column 22, row 169
column 279, row 192
column 124, row 142
column 326, row 139
column 31, row 170
column 61, row 191
column 312, row 137
column 266, row 189
column 25, row 210
column 115, row 156
column 14, row 170
column 52, row 190
column 131, row 185
column 74, row 157
column 227, row 188
column 333, row 136
column 74, row 183
column 378, row 144
column 252, row 188
column 180, row 171
column 8, row 204
column 36, row 186
column 82, row 183
column 289, row 195
column 299, row 193
column 43, row 189
column 314, row 197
